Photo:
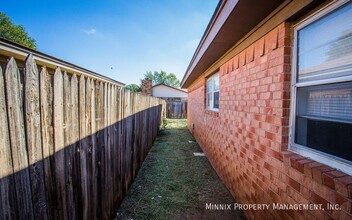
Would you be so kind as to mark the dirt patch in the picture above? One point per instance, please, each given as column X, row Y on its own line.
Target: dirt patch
column 174, row 184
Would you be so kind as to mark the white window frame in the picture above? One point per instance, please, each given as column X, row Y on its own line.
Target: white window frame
column 331, row 160
column 211, row 79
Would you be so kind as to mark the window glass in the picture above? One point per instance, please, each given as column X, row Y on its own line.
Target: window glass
column 209, row 99
column 210, row 85
column 216, row 83
column 324, row 119
column 332, row 101
column 330, row 137
column 212, row 92
column 216, row 99
column 325, row 46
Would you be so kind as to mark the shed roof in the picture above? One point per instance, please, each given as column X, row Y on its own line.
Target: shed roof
column 162, row 84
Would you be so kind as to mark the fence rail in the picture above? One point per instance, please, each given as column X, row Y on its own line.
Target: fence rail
column 70, row 144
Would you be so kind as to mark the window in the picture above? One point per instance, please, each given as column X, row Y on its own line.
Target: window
column 212, row 99
column 321, row 116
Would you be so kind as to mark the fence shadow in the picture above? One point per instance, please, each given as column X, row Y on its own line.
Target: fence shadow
column 70, row 143
column 86, row 179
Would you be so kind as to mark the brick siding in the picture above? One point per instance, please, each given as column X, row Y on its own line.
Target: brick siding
column 147, row 86
column 247, row 140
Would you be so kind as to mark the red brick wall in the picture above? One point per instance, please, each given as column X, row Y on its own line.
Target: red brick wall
column 147, row 86
column 247, row 140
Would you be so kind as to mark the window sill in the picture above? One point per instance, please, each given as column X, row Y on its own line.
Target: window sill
column 213, row 112
column 212, row 109
column 318, row 172
column 322, row 157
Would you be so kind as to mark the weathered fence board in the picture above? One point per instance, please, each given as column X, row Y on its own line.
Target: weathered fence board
column 59, row 143
column 91, row 161
column 88, row 149
column 34, row 143
column 83, row 146
column 14, row 100
column 71, row 145
column 114, row 149
column 106, row 161
column 46, row 103
column 122, row 143
column 118, row 151
column 70, row 153
column 74, row 151
column 7, row 202
column 99, row 111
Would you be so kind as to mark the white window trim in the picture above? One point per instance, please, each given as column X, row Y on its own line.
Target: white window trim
column 211, row 107
column 330, row 160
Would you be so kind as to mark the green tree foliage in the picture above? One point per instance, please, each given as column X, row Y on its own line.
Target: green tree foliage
column 162, row 77
column 133, row 87
column 15, row 33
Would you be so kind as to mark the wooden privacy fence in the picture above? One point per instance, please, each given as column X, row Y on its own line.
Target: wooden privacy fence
column 176, row 109
column 70, row 145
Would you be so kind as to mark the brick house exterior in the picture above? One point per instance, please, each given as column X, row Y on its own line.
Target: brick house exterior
column 247, row 138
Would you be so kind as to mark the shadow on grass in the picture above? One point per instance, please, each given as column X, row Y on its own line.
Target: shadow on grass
column 174, row 184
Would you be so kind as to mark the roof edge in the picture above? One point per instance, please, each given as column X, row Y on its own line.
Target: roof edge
column 21, row 52
column 202, row 44
column 162, row 84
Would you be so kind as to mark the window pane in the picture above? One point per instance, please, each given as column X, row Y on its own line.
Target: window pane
column 216, row 99
column 330, row 137
column 209, row 85
column 216, row 82
column 332, row 101
column 209, row 99
column 325, row 46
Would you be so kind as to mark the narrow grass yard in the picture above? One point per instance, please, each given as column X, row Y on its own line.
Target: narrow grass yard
column 175, row 184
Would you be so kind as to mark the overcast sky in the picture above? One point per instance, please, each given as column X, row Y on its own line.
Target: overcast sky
column 118, row 39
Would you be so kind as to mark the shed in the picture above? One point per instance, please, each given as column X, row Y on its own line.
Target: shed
column 166, row 92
